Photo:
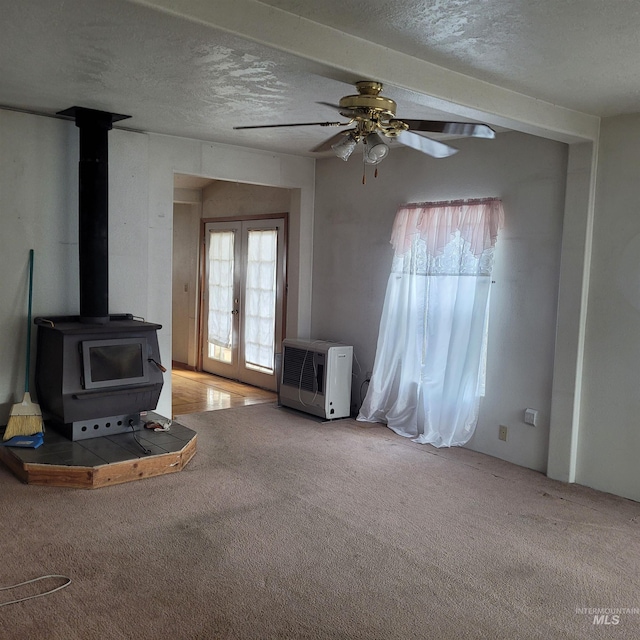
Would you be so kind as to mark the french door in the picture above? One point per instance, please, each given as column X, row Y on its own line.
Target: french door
column 243, row 299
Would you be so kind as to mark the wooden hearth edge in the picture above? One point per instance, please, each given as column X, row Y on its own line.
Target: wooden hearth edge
column 100, row 476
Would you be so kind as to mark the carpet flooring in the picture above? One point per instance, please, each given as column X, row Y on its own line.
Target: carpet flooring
column 286, row 527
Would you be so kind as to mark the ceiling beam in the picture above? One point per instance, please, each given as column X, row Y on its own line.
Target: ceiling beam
column 347, row 58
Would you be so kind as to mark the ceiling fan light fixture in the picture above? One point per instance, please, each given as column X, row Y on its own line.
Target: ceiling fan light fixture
column 375, row 150
column 344, row 148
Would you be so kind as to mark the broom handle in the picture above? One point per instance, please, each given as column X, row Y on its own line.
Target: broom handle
column 26, row 376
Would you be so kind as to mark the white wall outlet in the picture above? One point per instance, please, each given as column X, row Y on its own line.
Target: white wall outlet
column 502, row 433
column 530, row 416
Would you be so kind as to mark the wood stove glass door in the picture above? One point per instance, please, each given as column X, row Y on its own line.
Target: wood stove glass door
column 243, row 299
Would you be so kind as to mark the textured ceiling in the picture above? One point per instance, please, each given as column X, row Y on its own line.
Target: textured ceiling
column 184, row 77
column 581, row 54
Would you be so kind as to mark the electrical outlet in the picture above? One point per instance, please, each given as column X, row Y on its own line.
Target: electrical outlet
column 502, row 433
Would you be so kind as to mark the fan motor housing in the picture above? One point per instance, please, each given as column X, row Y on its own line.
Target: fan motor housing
column 368, row 99
column 379, row 104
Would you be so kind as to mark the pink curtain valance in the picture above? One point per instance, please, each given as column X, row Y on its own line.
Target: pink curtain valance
column 478, row 222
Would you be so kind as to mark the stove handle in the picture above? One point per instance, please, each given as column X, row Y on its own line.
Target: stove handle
column 163, row 369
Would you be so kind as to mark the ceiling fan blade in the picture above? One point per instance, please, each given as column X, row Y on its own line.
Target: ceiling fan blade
column 298, row 124
column 329, row 104
column 326, row 145
column 453, row 128
column 426, row 145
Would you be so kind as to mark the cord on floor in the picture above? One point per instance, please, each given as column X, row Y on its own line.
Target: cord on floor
column 37, row 595
column 135, row 437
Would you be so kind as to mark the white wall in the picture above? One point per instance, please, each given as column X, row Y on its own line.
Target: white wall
column 577, row 236
column 609, row 436
column 186, row 241
column 236, row 200
column 352, row 258
column 38, row 209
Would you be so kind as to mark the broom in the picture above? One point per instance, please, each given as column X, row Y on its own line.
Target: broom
column 25, row 418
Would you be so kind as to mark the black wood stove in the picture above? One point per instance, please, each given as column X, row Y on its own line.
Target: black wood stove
column 96, row 372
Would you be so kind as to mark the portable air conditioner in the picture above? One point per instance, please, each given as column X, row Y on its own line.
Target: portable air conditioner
column 316, row 377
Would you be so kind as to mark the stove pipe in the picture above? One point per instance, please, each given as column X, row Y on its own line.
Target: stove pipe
column 93, row 211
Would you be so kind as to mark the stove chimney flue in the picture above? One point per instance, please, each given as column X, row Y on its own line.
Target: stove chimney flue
column 93, row 211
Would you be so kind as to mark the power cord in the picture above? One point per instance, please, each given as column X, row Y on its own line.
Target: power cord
column 367, row 381
column 356, row 361
column 37, row 595
column 135, row 437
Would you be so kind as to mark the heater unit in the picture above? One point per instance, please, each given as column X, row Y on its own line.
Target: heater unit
column 316, row 377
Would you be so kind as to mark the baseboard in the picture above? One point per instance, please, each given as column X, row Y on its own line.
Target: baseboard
column 182, row 365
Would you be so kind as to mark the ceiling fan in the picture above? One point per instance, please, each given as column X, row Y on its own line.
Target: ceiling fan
column 373, row 119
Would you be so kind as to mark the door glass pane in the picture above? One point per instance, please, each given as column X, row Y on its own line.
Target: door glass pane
column 260, row 300
column 221, row 264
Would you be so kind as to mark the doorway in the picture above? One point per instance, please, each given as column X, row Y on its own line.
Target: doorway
column 243, row 298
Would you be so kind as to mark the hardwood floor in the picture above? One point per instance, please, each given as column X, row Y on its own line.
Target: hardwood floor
column 194, row 391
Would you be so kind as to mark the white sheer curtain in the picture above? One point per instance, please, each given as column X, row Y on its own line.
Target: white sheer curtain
column 428, row 375
column 260, row 296
column 221, row 270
